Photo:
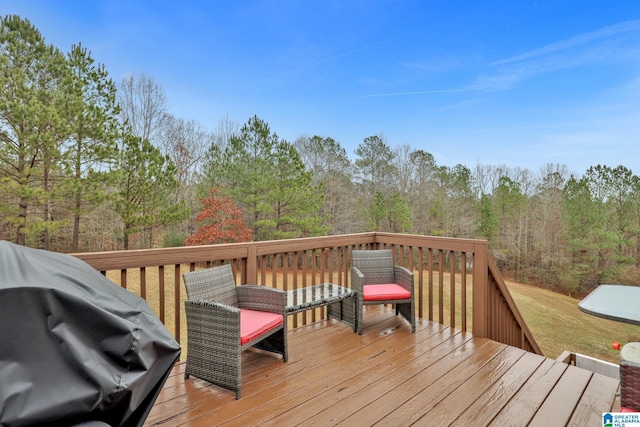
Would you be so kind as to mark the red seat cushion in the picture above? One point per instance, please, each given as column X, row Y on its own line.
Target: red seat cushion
column 384, row 292
column 255, row 323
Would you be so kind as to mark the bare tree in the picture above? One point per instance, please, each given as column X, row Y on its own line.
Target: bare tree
column 547, row 231
column 226, row 129
column 404, row 166
column 186, row 143
column 143, row 106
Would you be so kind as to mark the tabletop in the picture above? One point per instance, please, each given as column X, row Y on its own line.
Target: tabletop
column 614, row 302
column 317, row 295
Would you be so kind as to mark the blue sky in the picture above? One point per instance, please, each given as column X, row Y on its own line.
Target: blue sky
column 520, row 83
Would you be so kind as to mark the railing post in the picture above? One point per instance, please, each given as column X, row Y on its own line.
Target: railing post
column 252, row 264
column 480, row 291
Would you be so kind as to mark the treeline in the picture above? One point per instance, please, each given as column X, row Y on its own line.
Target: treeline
column 87, row 164
column 77, row 168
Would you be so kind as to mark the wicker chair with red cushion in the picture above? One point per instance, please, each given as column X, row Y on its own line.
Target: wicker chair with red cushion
column 378, row 281
column 224, row 319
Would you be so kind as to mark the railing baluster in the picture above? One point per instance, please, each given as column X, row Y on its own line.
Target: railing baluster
column 285, row 271
column 430, row 268
column 420, row 283
column 176, row 301
column 463, row 290
column 452, row 283
column 294, row 266
column 123, row 278
column 441, row 286
column 143, row 282
column 161, row 291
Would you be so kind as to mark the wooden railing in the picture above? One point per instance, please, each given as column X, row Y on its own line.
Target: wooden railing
column 456, row 281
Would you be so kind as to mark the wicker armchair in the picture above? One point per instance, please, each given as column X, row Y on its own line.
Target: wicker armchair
column 378, row 281
column 224, row 319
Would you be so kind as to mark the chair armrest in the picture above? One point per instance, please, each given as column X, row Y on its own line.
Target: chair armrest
column 211, row 319
column 261, row 298
column 357, row 280
column 404, row 277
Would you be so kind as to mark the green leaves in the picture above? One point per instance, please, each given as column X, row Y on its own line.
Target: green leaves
column 267, row 179
column 147, row 180
column 34, row 82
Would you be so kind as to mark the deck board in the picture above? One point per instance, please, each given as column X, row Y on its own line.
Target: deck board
column 589, row 411
column 389, row 376
column 377, row 383
column 459, row 400
column 489, row 403
column 404, row 404
column 522, row 407
column 562, row 400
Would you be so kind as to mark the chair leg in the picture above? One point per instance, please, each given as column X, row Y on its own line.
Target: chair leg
column 406, row 310
column 275, row 343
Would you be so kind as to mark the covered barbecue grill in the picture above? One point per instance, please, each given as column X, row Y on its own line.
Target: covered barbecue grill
column 75, row 348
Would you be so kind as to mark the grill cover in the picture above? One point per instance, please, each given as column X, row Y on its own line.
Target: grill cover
column 75, row 348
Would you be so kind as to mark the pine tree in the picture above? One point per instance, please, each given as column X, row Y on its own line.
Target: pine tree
column 267, row 179
column 92, row 148
column 147, row 182
column 33, row 80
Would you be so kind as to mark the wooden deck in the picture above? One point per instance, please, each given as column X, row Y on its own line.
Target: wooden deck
column 389, row 376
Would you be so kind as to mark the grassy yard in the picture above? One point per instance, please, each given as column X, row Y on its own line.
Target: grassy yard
column 557, row 324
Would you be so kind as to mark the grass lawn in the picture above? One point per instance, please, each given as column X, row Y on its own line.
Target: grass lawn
column 557, row 324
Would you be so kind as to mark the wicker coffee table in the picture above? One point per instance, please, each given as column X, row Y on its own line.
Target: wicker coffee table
column 340, row 301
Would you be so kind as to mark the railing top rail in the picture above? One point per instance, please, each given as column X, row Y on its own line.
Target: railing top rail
column 443, row 243
column 136, row 258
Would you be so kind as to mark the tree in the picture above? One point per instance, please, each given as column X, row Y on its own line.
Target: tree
column 327, row 160
column 185, row 143
column 404, row 167
column 375, row 165
column 509, row 203
column 454, row 209
column 548, row 229
column 147, row 183
column 220, row 222
column 422, row 191
column 143, row 107
column 92, row 148
column 584, row 230
column 266, row 178
column 616, row 188
column 488, row 224
column 389, row 213
column 212, row 171
column 32, row 82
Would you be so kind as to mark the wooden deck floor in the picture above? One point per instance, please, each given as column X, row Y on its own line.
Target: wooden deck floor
column 389, row 376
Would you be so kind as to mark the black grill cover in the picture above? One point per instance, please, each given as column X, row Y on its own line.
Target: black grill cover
column 75, row 347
